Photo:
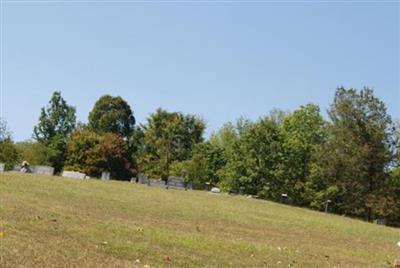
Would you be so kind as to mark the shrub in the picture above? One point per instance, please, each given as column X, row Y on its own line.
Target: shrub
column 93, row 153
column 8, row 153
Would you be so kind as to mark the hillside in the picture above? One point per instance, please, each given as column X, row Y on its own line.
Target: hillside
column 57, row 222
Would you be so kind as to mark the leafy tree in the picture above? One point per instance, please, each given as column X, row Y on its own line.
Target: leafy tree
column 4, row 132
column 302, row 131
column 168, row 137
column 351, row 167
column 112, row 114
column 227, row 137
column 56, row 122
column 57, row 119
column 261, row 147
column 8, row 153
column 94, row 153
column 36, row 153
column 253, row 159
column 205, row 163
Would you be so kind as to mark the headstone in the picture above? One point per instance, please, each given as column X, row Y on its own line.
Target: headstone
column 207, row 186
column 74, row 175
column 156, row 183
column 284, row 198
column 215, row 190
column 17, row 168
column 189, row 185
column 43, row 170
column 143, row 179
column 233, row 192
column 381, row 221
column 105, row 175
column 176, row 183
column 1, row 167
column 241, row 190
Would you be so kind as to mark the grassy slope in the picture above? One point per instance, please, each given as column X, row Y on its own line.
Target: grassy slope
column 57, row 222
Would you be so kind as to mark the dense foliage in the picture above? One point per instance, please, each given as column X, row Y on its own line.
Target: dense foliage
column 350, row 161
column 8, row 152
column 36, row 153
column 168, row 137
column 94, row 153
column 112, row 114
column 56, row 122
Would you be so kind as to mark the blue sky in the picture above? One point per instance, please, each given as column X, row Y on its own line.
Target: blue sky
column 218, row 60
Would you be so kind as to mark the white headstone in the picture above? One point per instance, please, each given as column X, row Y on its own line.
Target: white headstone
column 74, row 175
column 105, row 175
column 44, row 170
column 215, row 190
column 1, row 167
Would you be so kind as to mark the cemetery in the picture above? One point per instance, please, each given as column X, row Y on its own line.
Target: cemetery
column 187, row 160
column 122, row 222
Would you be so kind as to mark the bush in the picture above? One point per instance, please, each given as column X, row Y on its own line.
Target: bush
column 8, row 153
column 36, row 153
column 93, row 153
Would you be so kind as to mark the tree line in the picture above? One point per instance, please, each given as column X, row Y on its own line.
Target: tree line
column 350, row 160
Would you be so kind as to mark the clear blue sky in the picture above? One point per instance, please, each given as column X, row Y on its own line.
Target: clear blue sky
column 218, row 60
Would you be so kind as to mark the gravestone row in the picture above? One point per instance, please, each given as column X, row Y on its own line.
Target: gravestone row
column 171, row 183
column 176, row 183
column 42, row 170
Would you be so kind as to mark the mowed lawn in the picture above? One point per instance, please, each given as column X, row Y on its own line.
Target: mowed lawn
column 57, row 222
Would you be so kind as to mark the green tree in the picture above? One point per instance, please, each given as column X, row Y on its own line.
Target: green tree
column 253, row 159
column 4, row 132
column 205, row 163
column 302, row 131
column 36, row 153
column 112, row 114
column 94, row 153
column 56, row 122
column 8, row 153
column 168, row 137
column 351, row 166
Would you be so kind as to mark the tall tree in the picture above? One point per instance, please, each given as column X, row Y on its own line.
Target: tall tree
column 302, row 131
column 4, row 132
column 94, row 153
column 168, row 137
column 351, row 167
column 112, row 115
column 56, row 122
column 205, row 162
column 8, row 152
column 253, row 159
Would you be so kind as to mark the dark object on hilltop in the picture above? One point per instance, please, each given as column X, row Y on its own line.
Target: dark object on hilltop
column 25, row 167
column 284, row 199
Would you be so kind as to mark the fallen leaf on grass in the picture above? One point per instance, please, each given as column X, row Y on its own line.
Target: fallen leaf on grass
column 167, row 258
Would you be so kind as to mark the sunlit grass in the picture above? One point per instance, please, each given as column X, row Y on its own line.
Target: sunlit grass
column 57, row 222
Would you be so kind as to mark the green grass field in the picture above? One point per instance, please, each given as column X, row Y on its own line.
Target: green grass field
column 58, row 222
